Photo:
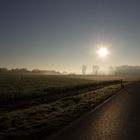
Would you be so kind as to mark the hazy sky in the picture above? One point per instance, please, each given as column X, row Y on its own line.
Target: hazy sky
column 65, row 34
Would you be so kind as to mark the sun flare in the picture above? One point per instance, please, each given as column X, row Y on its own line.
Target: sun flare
column 102, row 52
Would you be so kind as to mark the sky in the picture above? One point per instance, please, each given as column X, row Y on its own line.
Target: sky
column 63, row 35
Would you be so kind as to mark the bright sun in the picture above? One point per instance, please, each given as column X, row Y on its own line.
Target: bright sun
column 102, row 52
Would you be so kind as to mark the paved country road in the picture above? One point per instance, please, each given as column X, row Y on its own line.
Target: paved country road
column 117, row 119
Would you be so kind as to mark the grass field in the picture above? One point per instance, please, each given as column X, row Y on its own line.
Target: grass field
column 31, row 105
column 24, row 90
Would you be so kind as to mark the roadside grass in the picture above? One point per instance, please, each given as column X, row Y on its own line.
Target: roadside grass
column 45, row 119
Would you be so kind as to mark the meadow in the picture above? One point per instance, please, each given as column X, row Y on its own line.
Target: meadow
column 24, row 90
column 38, row 105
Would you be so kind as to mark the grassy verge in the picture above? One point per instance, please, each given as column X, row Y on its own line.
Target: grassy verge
column 45, row 119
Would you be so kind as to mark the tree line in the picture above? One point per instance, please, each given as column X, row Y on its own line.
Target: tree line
column 118, row 70
column 127, row 70
column 26, row 71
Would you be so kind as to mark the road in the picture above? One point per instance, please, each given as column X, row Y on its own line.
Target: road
column 117, row 119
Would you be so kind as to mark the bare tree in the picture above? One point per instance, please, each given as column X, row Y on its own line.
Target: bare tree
column 84, row 68
column 111, row 70
column 95, row 69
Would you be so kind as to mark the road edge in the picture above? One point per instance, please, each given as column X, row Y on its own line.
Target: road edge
column 80, row 118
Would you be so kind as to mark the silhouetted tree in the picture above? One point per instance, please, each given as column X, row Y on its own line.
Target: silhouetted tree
column 3, row 70
column 111, row 70
column 95, row 69
column 127, row 70
column 84, row 68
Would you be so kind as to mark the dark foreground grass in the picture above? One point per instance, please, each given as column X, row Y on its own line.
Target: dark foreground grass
column 42, row 120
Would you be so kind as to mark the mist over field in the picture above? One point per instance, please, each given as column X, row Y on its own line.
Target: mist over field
column 118, row 70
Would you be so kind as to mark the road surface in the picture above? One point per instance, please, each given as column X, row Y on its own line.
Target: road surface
column 117, row 119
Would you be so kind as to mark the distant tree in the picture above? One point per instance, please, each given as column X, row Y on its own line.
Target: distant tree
column 84, row 68
column 19, row 71
column 95, row 69
column 111, row 70
column 127, row 70
column 25, row 71
column 3, row 70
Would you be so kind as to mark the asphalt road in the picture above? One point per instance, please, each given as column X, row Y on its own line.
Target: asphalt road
column 117, row 119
